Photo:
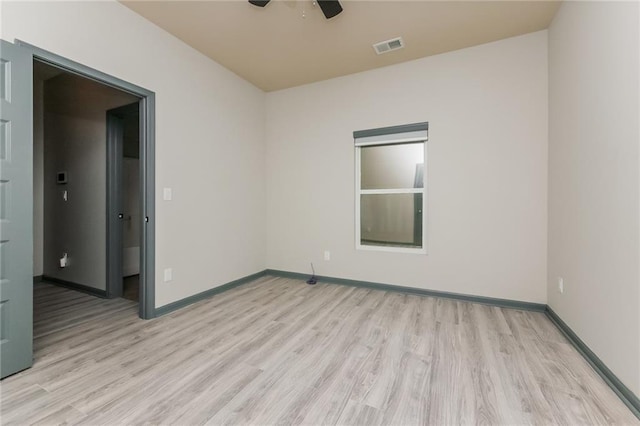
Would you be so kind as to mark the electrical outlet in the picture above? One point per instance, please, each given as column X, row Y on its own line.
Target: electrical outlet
column 327, row 255
column 561, row 285
column 167, row 194
column 64, row 260
column 168, row 275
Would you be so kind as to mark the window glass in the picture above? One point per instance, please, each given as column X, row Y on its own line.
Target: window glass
column 391, row 220
column 392, row 166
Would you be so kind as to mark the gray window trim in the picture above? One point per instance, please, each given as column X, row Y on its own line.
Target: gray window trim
column 147, row 159
column 404, row 128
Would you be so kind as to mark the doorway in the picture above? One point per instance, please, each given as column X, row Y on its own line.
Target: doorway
column 16, row 184
column 144, row 110
column 70, row 178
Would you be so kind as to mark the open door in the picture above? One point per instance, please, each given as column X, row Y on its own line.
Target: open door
column 16, row 209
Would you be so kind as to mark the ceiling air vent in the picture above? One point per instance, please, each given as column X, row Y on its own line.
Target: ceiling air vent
column 388, row 45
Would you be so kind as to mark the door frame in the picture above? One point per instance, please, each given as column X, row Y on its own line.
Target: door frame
column 147, row 164
column 115, row 193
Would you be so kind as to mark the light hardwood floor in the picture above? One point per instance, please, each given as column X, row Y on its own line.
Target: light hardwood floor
column 278, row 351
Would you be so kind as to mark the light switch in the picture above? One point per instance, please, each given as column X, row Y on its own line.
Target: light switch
column 167, row 194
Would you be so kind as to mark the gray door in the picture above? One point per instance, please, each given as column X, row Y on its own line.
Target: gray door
column 16, row 209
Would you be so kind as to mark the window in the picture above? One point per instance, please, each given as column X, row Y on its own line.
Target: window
column 390, row 189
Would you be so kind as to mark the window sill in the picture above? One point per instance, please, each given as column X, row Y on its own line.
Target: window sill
column 389, row 249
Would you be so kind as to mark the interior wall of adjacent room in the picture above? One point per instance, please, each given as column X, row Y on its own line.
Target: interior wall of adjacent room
column 594, row 179
column 486, row 170
column 209, row 136
column 75, row 142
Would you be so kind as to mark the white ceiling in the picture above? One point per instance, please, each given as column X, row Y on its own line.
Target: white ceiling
column 276, row 47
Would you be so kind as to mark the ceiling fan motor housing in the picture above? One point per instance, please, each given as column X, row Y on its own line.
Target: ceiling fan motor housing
column 259, row 3
column 330, row 8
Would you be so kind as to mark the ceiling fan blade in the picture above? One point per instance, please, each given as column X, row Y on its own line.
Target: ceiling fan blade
column 330, row 8
column 259, row 3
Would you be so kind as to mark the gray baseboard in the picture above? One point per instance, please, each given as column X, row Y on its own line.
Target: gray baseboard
column 623, row 392
column 75, row 286
column 37, row 279
column 163, row 310
column 503, row 303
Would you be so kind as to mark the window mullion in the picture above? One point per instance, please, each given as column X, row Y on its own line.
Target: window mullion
column 392, row 191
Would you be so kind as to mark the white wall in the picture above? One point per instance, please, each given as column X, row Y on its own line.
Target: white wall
column 209, row 136
column 486, row 170
column 594, row 179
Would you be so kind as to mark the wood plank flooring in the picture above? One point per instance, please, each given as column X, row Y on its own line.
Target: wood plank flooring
column 278, row 351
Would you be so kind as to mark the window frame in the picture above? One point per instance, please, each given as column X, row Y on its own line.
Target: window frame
column 381, row 137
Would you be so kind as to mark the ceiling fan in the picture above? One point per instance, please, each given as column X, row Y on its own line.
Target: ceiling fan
column 330, row 8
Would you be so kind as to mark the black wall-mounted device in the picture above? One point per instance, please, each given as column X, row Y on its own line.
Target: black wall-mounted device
column 61, row 177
